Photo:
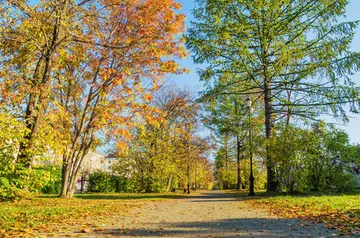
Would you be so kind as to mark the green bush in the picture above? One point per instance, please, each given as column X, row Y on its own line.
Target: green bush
column 13, row 179
column 9, row 191
column 312, row 160
column 16, row 179
column 343, row 181
column 101, row 182
column 53, row 186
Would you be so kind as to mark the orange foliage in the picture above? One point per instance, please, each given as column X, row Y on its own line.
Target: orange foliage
column 91, row 68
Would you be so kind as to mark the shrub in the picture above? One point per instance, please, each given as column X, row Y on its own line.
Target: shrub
column 104, row 182
column 101, row 182
column 53, row 185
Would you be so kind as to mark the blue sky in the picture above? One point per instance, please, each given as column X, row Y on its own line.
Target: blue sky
column 191, row 80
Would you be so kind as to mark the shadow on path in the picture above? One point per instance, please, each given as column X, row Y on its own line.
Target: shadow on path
column 127, row 197
column 242, row 227
column 215, row 214
column 206, row 214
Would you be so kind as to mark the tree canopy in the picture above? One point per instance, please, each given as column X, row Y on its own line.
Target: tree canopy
column 292, row 56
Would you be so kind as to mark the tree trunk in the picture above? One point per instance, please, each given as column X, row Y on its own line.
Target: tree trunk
column 148, row 185
column 195, row 182
column 71, row 167
column 226, row 182
column 65, row 180
column 188, row 176
column 38, row 100
column 83, row 180
column 238, row 185
column 271, row 183
column 168, row 188
column 226, row 155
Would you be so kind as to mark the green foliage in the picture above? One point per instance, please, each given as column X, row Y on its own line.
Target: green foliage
column 226, row 179
column 53, row 184
column 275, row 49
column 101, row 182
column 290, row 149
column 292, row 57
column 16, row 179
column 106, row 182
column 226, row 172
column 13, row 176
column 317, row 159
column 225, row 169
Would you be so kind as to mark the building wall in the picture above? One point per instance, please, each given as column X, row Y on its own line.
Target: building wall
column 95, row 162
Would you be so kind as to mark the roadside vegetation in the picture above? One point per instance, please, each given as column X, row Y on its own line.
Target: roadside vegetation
column 47, row 214
column 339, row 211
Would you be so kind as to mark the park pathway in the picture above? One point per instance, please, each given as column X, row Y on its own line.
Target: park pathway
column 207, row 214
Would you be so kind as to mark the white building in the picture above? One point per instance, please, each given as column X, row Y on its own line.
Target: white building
column 94, row 161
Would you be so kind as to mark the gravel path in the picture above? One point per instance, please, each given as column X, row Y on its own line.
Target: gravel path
column 209, row 214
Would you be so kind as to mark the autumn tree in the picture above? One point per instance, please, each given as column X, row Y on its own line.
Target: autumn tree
column 33, row 34
column 293, row 56
column 107, row 88
column 165, row 154
column 84, row 70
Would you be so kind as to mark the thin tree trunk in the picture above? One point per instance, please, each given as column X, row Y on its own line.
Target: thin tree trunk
column 288, row 116
column 195, row 180
column 71, row 167
column 238, row 185
column 226, row 155
column 65, row 180
column 188, row 178
column 226, row 184
column 83, row 180
column 169, row 183
column 148, row 185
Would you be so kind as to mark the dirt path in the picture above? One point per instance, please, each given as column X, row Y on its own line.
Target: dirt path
column 209, row 214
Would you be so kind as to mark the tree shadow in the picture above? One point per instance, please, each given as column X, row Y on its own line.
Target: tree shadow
column 206, row 196
column 265, row 194
column 240, row 227
column 120, row 196
column 139, row 196
column 226, row 196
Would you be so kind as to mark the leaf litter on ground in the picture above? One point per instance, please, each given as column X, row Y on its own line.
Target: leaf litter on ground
column 340, row 212
column 49, row 214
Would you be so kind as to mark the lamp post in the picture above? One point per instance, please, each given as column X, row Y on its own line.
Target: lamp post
column 251, row 179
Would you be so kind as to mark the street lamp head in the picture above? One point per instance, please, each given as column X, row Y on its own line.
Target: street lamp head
column 248, row 102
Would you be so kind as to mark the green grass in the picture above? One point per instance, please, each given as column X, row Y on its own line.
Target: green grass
column 339, row 203
column 340, row 211
column 46, row 212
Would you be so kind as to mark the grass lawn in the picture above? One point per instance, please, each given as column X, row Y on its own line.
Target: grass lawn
column 47, row 213
column 339, row 211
